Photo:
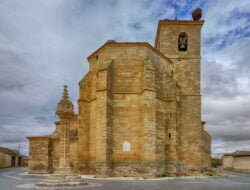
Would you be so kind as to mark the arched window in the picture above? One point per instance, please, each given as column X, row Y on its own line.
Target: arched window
column 126, row 146
column 182, row 42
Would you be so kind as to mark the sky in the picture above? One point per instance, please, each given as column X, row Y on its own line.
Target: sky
column 44, row 45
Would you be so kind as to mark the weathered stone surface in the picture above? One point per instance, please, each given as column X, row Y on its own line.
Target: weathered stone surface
column 206, row 149
column 193, row 141
column 64, row 175
column 40, row 155
column 148, row 98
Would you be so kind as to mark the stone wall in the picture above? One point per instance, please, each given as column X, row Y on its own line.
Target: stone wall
column 40, row 155
column 44, row 150
column 11, row 158
column 5, row 160
column 47, row 159
column 55, row 154
column 206, row 150
column 125, row 94
column 241, row 163
column 227, row 161
column 186, row 73
column 127, row 131
column 167, row 38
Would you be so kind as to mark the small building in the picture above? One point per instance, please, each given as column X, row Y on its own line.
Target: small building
column 11, row 158
column 239, row 161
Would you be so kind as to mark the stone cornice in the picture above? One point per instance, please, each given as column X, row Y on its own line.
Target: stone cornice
column 181, row 22
column 38, row 137
column 130, row 44
column 135, row 92
column 188, row 95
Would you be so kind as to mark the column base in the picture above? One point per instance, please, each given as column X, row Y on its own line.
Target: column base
column 63, row 177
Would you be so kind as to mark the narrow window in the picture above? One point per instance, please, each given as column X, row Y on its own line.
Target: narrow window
column 182, row 42
column 169, row 135
column 126, row 146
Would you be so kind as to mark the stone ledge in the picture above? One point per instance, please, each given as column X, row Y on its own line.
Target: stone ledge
column 34, row 186
column 92, row 177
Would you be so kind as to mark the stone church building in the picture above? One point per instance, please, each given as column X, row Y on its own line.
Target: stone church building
column 139, row 110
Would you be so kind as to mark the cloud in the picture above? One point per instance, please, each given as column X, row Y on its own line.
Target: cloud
column 229, row 146
column 44, row 45
column 225, row 74
column 223, row 18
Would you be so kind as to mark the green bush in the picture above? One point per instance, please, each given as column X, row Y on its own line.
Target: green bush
column 165, row 174
column 216, row 164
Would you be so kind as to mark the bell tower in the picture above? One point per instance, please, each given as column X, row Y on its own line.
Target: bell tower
column 179, row 40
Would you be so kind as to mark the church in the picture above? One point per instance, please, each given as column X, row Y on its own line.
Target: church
column 139, row 110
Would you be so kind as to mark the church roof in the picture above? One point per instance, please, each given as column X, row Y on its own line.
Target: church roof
column 241, row 153
column 238, row 153
column 9, row 151
column 116, row 44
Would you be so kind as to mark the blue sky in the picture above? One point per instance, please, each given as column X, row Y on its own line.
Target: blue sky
column 44, row 45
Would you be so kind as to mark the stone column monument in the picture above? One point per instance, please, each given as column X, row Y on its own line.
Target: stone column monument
column 64, row 176
column 65, row 111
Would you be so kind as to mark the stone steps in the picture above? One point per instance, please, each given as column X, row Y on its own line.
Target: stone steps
column 63, row 180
